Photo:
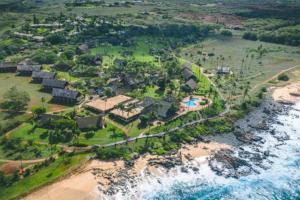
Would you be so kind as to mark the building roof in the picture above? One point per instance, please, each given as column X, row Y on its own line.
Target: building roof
column 127, row 114
column 54, row 83
column 29, row 68
column 187, row 73
column 161, row 108
column 89, row 122
column 69, row 94
column 7, row 65
column 192, row 84
column 49, row 117
column 84, row 47
column 223, row 70
column 108, row 104
column 187, row 65
column 43, row 75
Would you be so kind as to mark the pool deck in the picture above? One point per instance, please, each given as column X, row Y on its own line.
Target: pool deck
column 185, row 108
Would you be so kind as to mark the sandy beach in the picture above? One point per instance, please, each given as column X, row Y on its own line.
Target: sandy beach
column 284, row 94
column 83, row 185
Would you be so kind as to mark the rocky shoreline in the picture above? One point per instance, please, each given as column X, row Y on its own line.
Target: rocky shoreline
column 234, row 162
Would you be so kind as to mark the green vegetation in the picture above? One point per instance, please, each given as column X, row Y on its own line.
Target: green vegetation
column 228, row 53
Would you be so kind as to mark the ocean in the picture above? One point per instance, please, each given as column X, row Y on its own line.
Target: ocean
column 279, row 179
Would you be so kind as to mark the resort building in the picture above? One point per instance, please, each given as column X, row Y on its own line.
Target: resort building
column 49, row 84
column 105, row 105
column 129, row 111
column 223, row 70
column 7, row 67
column 90, row 123
column 65, row 96
column 38, row 77
column 159, row 107
column 27, row 69
column 192, row 84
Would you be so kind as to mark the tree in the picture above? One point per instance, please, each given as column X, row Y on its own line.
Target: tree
column 173, row 109
column 56, row 39
column 38, row 110
column 15, row 101
column 250, row 36
column 226, row 33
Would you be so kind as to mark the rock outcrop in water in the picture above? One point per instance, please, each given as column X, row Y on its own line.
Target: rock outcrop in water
column 224, row 163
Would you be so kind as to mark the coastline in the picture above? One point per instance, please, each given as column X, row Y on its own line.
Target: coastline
column 99, row 176
column 287, row 94
column 96, row 174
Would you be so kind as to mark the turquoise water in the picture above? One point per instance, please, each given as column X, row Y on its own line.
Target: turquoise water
column 191, row 103
column 279, row 180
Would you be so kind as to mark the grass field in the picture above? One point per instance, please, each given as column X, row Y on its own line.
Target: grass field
column 59, row 168
column 232, row 51
column 8, row 80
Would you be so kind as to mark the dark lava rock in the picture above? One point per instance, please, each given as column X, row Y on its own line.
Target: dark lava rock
column 224, row 163
column 184, row 170
column 247, row 137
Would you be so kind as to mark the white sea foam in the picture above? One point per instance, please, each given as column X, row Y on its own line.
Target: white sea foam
column 280, row 181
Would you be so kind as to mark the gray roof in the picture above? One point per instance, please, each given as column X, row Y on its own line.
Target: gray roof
column 48, row 75
column 187, row 65
column 84, row 47
column 187, row 73
column 223, row 70
column 7, row 65
column 160, row 107
column 49, row 117
column 88, row 122
column 29, row 68
column 192, row 84
column 54, row 83
column 70, row 94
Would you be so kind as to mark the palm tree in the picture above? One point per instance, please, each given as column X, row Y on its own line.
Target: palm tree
column 246, row 91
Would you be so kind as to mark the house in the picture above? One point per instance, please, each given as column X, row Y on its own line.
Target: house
column 98, row 59
column 132, row 80
column 130, row 111
column 159, row 107
column 223, row 70
column 188, row 74
column 120, row 63
column 65, row 96
column 104, row 105
column 7, row 67
column 38, row 77
column 49, row 84
column 187, row 65
column 192, row 84
column 82, row 49
column 27, row 69
column 45, row 120
column 90, row 123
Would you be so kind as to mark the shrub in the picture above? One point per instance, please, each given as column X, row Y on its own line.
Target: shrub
column 226, row 33
column 250, row 36
column 283, row 77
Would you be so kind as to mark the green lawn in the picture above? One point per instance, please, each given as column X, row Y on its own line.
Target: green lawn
column 8, row 80
column 102, row 136
column 43, row 177
column 26, row 132
column 234, row 50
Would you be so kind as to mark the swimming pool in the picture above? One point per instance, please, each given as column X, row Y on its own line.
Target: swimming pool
column 192, row 102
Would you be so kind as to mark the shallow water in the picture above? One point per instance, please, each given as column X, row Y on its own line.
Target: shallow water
column 281, row 179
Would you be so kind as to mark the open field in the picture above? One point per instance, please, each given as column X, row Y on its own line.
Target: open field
column 8, row 80
column 243, row 56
